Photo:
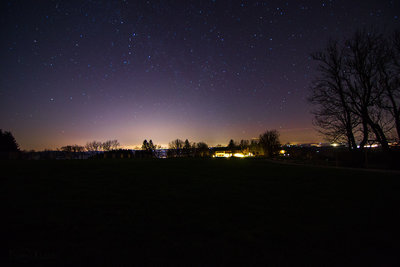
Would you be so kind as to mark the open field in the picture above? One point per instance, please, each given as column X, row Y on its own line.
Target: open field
column 199, row 212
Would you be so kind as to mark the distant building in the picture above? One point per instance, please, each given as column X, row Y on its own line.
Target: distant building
column 161, row 153
column 237, row 153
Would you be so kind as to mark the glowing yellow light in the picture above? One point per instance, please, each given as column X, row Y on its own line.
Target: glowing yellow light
column 282, row 152
column 228, row 155
column 222, row 155
column 335, row 144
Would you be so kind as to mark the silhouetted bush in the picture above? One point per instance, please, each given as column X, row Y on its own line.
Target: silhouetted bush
column 7, row 142
column 9, row 148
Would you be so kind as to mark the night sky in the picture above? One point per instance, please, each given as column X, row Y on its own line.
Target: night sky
column 76, row 71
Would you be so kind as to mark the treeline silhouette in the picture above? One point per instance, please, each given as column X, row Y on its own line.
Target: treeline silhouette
column 108, row 145
column 266, row 145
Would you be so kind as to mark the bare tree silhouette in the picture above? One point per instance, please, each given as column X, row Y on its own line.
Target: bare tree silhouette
column 269, row 142
column 177, row 146
column 356, row 93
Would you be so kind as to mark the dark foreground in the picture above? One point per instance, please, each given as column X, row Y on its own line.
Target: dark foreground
column 199, row 212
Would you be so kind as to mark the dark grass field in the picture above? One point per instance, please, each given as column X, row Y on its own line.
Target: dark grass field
column 198, row 212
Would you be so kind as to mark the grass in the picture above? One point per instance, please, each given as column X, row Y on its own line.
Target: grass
column 198, row 212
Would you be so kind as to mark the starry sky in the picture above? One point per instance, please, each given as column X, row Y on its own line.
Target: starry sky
column 76, row 71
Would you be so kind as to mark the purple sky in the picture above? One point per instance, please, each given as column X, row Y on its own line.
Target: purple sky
column 76, row 71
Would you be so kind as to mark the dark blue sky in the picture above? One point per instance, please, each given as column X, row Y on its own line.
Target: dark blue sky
column 75, row 71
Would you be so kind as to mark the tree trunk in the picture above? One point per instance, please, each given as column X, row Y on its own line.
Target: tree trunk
column 379, row 134
column 397, row 122
column 365, row 135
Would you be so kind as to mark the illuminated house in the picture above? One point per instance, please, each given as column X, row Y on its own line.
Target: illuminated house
column 222, row 154
column 232, row 153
